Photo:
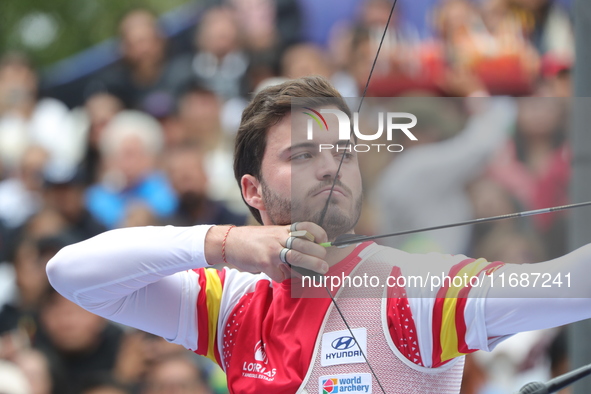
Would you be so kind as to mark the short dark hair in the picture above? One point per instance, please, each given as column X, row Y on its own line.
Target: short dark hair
column 266, row 109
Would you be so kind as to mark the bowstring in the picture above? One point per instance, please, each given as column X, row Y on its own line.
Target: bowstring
column 336, row 177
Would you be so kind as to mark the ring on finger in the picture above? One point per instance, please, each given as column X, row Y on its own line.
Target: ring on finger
column 294, row 226
column 289, row 242
column 283, row 255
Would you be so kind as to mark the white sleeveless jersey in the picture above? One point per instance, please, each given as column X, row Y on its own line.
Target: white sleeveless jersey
column 365, row 311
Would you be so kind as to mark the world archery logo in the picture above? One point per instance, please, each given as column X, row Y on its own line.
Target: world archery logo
column 347, row 383
column 330, row 386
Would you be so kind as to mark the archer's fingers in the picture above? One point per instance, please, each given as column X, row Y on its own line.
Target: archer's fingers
column 299, row 259
column 309, row 248
column 317, row 231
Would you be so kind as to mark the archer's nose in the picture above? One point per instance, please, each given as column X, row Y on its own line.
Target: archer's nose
column 329, row 166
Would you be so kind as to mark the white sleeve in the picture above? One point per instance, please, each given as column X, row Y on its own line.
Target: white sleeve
column 561, row 295
column 137, row 277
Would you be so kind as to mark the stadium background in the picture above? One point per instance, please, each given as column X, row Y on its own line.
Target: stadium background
column 117, row 114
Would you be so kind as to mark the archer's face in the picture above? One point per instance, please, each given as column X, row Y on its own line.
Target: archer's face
column 297, row 176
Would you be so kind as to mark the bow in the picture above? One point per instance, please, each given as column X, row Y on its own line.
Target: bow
column 324, row 210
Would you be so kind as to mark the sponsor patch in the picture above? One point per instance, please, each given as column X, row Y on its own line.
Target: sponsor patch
column 346, row 383
column 339, row 347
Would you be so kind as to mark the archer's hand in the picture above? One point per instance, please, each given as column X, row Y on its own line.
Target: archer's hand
column 257, row 248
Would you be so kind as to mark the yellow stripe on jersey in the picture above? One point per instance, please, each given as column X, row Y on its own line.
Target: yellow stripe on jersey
column 213, row 294
column 449, row 332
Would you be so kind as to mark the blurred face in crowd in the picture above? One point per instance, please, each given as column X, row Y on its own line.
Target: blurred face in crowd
column 100, row 109
column 46, row 223
column 291, row 159
column 67, row 199
column 70, row 328
column 186, row 173
column 305, row 59
column 30, row 273
column 141, row 39
column 539, row 117
column 375, row 13
column 31, row 167
column 456, row 17
column 218, row 33
column 132, row 159
column 175, row 376
column 199, row 117
column 18, row 86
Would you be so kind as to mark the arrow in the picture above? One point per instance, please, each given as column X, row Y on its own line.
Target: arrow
column 350, row 239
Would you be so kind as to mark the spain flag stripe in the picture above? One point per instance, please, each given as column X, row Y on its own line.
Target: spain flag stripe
column 202, row 316
column 449, row 334
column 462, row 300
column 213, row 292
column 438, row 310
column 216, row 351
column 452, row 334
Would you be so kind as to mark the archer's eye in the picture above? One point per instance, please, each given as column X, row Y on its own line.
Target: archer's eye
column 348, row 155
column 301, row 156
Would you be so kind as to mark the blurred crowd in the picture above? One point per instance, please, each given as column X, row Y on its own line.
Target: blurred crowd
column 152, row 144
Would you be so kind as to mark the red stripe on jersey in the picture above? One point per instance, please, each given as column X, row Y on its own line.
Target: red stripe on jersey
column 401, row 324
column 202, row 316
column 438, row 314
column 216, row 350
column 461, row 306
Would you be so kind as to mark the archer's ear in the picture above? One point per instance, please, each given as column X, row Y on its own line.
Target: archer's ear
column 252, row 192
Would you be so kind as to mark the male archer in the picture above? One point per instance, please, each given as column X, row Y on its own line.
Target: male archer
column 157, row 278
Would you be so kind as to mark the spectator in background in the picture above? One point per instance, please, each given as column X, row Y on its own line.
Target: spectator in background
column 544, row 22
column 497, row 51
column 77, row 343
column 25, row 120
column 100, row 109
column 556, row 81
column 269, row 25
column 199, row 116
column 31, row 283
column 45, row 223
column 144, row 69
column 20, row 195
column 30, row 257
column 64, row 192
column 12, row 379
column 302, row 60
column 129, row 147
column 426, row 185
column 140, row 351
column 534, row 167
column 102, row 384
column 36, row 368
column 189, row 180
column 176, row 374
column 220, row 62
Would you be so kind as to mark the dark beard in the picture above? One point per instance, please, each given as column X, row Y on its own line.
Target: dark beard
column 336, row 222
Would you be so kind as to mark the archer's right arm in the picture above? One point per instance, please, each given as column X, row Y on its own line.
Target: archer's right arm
column 143, row 276
column 139, row 277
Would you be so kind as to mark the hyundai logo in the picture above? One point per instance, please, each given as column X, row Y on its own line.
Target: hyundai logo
column 343, row 343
